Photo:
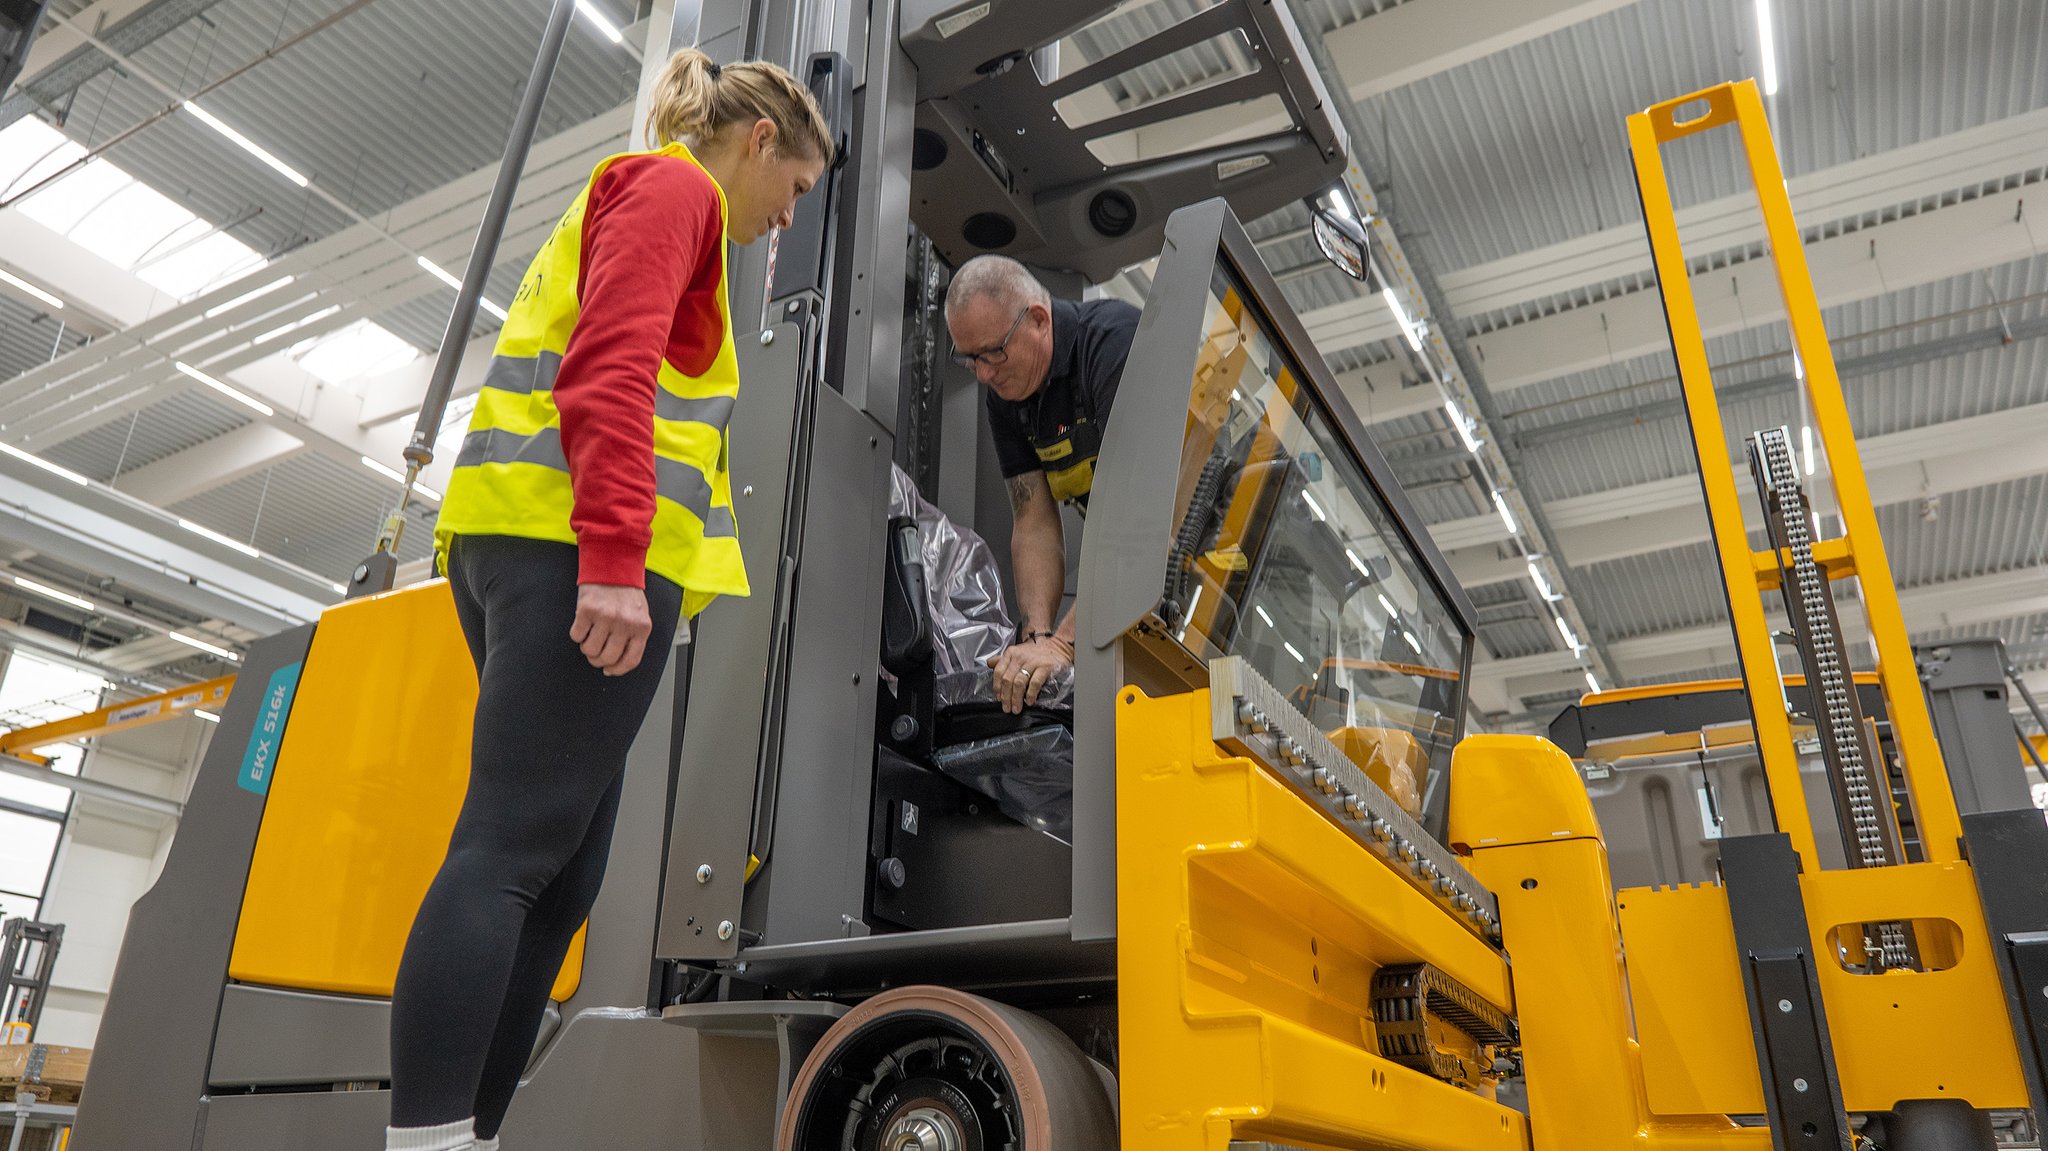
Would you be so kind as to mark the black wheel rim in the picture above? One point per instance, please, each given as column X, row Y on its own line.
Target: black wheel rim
column 913, row 1081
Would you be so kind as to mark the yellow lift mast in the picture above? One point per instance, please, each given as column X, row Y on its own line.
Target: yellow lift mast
column 1898, row 985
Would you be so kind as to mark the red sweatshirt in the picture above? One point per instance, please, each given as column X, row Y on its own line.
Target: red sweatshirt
column 648, row 289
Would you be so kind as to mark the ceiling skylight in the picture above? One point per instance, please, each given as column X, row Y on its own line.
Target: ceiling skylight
column 109, row 213
column 361, row 349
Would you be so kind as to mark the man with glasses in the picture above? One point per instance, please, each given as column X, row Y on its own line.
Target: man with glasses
column 1051, row 369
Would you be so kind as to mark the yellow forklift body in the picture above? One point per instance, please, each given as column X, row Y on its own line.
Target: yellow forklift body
column 1249, row 928
column 369, row 779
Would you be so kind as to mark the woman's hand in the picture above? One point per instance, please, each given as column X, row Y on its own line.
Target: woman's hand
column 611, row 626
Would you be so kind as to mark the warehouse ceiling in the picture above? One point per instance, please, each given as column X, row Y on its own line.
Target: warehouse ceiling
column 1912, row 136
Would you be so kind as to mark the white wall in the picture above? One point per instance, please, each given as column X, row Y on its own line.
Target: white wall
column 108, row 857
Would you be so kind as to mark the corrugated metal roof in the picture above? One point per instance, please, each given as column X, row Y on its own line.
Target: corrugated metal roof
column 163, row 429
column 310, row 511
column 1972, row 533
column 1526, row 147
column 1661, row 591
column 394, row 100
column 29, row 335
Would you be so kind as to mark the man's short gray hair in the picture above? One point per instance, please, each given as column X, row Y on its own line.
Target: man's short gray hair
column 1000, row 278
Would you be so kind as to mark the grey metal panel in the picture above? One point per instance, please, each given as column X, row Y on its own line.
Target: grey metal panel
column 151, row 1055
column 1033, row 952
column 722, row 731
column 620, row 1079
column 872, row 314
column 1124, row 558
column 1012, row 152
column 813, row 885
column 311, row 1121
column 269, row 1036
column 1966, row 694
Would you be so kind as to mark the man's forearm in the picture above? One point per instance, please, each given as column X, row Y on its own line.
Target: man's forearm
column 1039, row 560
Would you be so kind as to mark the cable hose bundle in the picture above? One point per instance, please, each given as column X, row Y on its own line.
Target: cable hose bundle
column 1201, row 505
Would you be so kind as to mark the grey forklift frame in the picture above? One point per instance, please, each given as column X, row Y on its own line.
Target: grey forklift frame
column 189, row 1060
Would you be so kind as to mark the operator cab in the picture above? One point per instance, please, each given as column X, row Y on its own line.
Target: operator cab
column 1034, row 155
column 1031, row 155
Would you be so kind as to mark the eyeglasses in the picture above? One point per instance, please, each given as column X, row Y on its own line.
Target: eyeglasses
column 995, row 355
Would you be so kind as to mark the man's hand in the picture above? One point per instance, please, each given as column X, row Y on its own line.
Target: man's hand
column 1021, row 672
column 611, row 626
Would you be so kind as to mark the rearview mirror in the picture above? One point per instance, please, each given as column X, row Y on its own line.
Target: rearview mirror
column 1342, row 242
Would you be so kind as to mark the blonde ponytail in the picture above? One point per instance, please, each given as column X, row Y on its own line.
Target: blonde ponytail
column 695, row 99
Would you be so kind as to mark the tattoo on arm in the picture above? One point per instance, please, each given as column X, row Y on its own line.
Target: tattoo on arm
column 1022, row 489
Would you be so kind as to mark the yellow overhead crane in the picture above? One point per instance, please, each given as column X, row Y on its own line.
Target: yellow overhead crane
column 1244, row 938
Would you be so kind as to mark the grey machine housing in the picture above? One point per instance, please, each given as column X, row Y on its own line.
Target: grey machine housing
column 702, row 991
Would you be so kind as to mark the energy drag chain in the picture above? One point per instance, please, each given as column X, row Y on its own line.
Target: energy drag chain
column 1862, row 796
column 1408, row 998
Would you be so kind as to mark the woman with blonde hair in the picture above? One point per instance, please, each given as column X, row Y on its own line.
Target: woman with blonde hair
column 589, row 514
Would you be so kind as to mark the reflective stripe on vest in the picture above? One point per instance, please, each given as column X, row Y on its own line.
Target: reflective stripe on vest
column 511, row 476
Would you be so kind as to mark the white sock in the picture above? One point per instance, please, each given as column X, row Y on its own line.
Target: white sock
column 490, row 1144
column 457, row 1136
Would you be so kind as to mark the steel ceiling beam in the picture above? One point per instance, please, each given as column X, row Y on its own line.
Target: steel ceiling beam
column 82, row 64
column 1444, row 354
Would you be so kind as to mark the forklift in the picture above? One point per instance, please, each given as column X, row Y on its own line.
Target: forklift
column 1290, row 902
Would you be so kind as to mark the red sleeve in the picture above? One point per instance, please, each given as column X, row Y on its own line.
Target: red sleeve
column 649, row 225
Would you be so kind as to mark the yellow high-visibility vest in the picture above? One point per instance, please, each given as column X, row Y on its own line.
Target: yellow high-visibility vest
column 512, row 478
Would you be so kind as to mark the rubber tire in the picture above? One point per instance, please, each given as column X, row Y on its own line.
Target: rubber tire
column 1060, row 1093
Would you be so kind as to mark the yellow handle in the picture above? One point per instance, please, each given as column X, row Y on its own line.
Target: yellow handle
column 1720, row 100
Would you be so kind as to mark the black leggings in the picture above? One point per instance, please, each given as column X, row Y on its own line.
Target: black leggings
column 528, row 851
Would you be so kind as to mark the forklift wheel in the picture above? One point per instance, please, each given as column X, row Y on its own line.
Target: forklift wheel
column 933, row 1069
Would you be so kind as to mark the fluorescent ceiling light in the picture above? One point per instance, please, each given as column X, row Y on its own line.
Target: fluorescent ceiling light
column 206, row 715
column 1358, row 563
column 38, row 461
column 1314, row 508
column 52, row 593
column 397, row 476
column 585, row 9
column 339, row 589
column 1409, row 328
column 31, row 289
column 1592, row 685
column 1298, row 657
column 1463, row 425
column 1341, row 203
column 245, row 297
column 247, row 145
column 1564, row 629
column 1263, row 615
column 241, row 398
column 1542, row 584
column 295, row 325
column 216, row 537
column 1189, row 618
column 1767, row 47
column 1806, row 445
column 440, row 273
column 1387, row 604
column 209, row 648
column 1410, row 637
column 1500, row 503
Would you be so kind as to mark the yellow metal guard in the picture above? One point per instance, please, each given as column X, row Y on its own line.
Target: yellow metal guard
column 1249, row 927
column 372, row 770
